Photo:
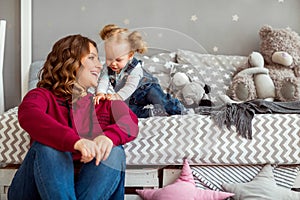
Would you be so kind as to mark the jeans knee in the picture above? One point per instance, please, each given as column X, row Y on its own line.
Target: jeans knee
column 116, row 159
column 48, row 153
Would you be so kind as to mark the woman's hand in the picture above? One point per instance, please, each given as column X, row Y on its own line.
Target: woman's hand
column 87, row 148
column 99, row 148
column 104, row 146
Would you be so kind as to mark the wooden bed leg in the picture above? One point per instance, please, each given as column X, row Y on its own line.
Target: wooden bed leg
column 6, row 176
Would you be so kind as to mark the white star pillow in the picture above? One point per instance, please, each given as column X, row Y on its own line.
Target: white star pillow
column 263, row 186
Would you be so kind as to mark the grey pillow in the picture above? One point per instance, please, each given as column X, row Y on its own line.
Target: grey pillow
column 215, row 70
column 263, row 186
column 33, row 73
column 159, row 65
column 215, row 176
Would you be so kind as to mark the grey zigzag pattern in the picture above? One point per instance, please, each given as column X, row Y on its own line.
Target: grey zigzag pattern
column 15, row 141
column 166, row 141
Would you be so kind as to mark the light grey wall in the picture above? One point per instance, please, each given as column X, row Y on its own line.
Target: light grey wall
column 189, row 24
column 214, row 27
column 10, row 11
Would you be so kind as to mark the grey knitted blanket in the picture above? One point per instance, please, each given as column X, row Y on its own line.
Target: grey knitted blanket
column 240, row 115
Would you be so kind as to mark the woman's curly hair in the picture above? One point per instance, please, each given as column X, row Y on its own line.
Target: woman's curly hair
column 60, row 69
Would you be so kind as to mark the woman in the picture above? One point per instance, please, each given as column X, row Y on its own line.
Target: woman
column 76, row 150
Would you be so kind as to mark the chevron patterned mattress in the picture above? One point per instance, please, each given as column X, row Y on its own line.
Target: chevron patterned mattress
column 167, row 140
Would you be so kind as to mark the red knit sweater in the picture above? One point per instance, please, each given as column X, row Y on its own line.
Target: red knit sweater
column 54, row 122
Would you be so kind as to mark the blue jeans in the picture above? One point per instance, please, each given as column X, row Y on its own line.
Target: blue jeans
column 47, row 173
column 152, row 93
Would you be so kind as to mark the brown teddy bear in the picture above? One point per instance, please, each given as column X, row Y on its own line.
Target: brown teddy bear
column 280, row 49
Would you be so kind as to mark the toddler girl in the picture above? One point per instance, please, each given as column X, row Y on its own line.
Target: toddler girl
column 130, row 82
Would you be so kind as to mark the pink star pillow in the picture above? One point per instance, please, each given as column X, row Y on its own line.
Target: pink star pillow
column 183, row 188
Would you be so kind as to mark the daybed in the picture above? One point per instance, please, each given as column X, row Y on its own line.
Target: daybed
column 216, row 154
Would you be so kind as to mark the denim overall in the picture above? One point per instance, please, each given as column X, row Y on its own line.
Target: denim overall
column 148, row 92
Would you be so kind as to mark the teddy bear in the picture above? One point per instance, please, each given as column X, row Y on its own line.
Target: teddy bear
column 252, row 81
column 280, row 49
column 191, row 93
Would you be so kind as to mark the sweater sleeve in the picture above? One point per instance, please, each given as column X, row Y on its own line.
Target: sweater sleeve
column 103, row 83
column 44, row 121
column 124, row 123
column 132, row 82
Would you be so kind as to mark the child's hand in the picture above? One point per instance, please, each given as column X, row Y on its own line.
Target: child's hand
column 113, row 97
column 99, row 97
column 108, row 96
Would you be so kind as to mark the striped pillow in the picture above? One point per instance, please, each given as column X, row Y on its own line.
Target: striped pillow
column 213, row 177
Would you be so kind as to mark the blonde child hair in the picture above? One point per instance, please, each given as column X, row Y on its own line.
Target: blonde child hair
column 113, row 32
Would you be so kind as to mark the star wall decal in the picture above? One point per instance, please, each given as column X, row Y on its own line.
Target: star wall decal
column 194, row 18
column 50, row 24
column 83, row 8
column 215, row 49
column 235, row 18
column 160, row 35
column 126, row 21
